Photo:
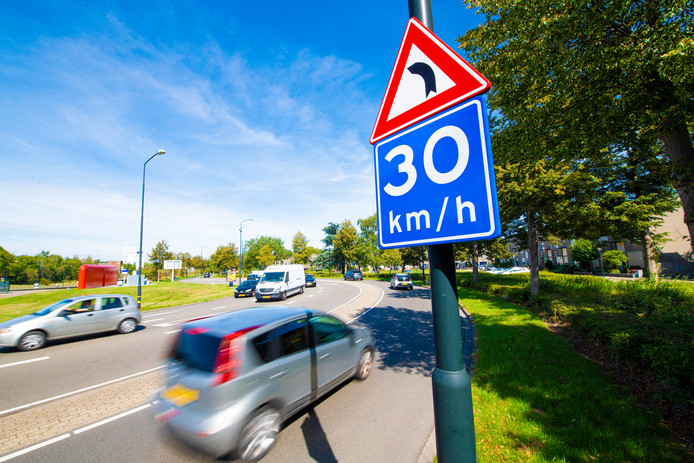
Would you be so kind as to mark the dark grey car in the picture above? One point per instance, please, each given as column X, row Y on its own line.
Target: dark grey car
column 234, row 378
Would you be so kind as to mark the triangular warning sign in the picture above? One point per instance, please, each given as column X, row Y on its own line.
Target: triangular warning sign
column 427, row 78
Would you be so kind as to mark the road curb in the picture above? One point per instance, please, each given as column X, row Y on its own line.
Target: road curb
column 429, row 449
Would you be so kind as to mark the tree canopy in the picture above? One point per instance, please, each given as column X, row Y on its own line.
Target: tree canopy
column 594, row 77
column 224, row 258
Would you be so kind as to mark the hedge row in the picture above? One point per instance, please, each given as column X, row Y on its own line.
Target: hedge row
column 646, row 322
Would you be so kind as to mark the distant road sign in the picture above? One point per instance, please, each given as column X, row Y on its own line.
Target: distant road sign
column 173, row 264
column 427, row 78
column 435, row 181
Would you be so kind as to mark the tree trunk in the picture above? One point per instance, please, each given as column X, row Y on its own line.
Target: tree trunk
column 678, row 145
column 475, row 261
column 532, row 254
column 650, row 263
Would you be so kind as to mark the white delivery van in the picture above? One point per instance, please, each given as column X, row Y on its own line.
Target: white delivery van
column 280, row 281
column 255, row 275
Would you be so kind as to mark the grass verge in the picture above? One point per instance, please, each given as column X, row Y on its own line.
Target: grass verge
column 537, row 400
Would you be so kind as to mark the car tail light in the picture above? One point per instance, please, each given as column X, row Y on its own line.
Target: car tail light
column 167, row 415
column 228, row 360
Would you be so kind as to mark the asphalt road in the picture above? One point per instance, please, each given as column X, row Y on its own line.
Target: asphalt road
column 88, row 399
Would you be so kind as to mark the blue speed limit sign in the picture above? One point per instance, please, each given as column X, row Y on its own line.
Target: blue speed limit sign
column 435, row 181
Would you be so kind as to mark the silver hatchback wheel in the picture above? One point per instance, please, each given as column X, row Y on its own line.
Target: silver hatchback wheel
column 31, row 341
column 366, row 362
column 127, row 326
column 259, row 434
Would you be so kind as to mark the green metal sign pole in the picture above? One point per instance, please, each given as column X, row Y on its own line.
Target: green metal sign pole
column 453, row 416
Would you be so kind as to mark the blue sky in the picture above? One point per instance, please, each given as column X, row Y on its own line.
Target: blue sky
column 264, row 109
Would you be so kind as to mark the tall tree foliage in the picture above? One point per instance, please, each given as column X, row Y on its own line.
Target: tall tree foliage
column 368, row 252
column 345, row 244
column 300, row 250
column 159, row 254
column 594, row 72
column 275, row 252
column 224, row 258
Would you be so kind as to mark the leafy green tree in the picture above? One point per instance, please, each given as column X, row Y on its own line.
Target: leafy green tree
column 266, row 256
column 414, row 256
column 594, row 75
column 391, row 258
column 224, row 258
column 159, row 254
column 301, row 252
column 368, row 251
column 614, row 259
column 585, row 252
column 330, row 231
column 251, row 255
column 324, row 260
column 345, row 244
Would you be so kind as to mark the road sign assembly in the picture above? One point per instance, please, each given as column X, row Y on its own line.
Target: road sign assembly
column 432, row 153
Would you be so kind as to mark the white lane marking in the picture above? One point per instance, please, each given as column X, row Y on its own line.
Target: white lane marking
column 67, row 394
column 23, row 362
column 217, row 308
column 156, row 313
column 367, row 310
column 348, row 302
column 33, row 447
column 183, row 320
column 172, row 332
column 108, row 420
column 153, row 320
column 73, row 433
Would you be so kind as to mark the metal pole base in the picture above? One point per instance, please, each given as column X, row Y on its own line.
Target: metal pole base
column 455, row 426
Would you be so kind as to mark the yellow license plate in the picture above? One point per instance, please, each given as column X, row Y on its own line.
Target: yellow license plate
column 180, row 395
column 266, row 297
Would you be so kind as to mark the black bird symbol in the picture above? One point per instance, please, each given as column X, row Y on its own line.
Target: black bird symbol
column 425, row 72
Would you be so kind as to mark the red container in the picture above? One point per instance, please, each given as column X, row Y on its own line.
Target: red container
column 96, row 276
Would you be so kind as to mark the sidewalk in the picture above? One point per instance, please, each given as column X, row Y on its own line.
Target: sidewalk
column 29, row 426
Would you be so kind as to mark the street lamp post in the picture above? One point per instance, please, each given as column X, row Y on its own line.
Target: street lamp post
column 142, row 221
column 201, row 248
column 241, row 246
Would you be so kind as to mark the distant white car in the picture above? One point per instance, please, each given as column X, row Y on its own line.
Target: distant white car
column 512, row 270
column 494, row 270
column 401, row 280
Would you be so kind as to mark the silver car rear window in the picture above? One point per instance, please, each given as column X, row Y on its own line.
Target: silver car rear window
column 197, row 350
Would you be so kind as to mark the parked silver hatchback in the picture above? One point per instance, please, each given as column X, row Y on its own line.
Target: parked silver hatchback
column 232, row 379
column 70, row 317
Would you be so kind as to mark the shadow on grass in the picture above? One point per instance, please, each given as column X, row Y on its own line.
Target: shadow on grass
column 556, row 404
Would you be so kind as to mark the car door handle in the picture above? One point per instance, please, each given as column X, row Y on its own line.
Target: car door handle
column 90, row 314
column 325, row 356
column 279, row 374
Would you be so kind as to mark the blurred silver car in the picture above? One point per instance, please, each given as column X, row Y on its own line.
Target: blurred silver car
column 75, row 316
column 232, row 379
